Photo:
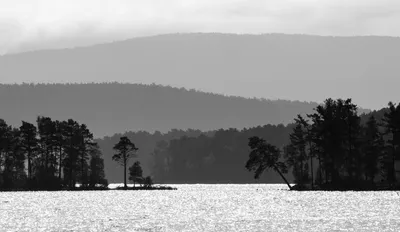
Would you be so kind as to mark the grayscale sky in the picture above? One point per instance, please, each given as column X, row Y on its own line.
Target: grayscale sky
column 37, row 24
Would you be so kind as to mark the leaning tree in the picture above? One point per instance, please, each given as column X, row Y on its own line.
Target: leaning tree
column 265, row 156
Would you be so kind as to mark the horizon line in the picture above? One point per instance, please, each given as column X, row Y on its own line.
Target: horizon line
column 194, row 33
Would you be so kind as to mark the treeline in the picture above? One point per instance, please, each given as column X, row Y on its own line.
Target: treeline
column 213, row 158
column 332, row 149
column 50, row 155
column 220, row 157
column 144, row 140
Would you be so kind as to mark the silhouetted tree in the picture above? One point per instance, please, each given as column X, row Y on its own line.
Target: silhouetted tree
column 126, row 150
column 265, row 156
column 72, row 141
column 29, row 143
column 337, row 127
column 136, row 173
column 46, row 131
column 86, row 144
column 50, row 146
column 13, row 175
column 96, row 175
column 373, row 148
column 60, row 144
column 296, row 154
column 392, row 125
column 309, row 139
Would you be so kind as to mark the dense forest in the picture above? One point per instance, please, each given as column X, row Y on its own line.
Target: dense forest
column 57, row 154
column 348, row 154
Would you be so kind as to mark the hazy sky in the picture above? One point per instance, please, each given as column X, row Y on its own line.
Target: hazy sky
column 37, row 24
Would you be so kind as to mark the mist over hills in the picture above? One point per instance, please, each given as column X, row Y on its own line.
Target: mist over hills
column 117, row 108
column 272, row 66
column 295, row 67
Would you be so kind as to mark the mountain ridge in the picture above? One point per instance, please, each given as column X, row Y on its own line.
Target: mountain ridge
column 307, row 68
column 113, row 108
column 196, row 33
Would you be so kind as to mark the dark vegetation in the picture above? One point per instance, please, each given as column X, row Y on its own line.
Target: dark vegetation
column 331, row 149
column 126, row 150
column 58, row 155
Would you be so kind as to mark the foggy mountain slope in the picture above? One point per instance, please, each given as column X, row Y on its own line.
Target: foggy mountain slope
column 297, row 67
column 116, row 108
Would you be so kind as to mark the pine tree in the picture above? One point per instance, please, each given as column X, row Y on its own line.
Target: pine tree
column 126, row 150
column 392, row 125
column 29, row 143
column 373, row 148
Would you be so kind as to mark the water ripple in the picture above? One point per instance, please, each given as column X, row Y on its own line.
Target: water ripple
column 201, row 208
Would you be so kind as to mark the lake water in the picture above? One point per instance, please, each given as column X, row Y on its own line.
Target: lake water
column 201, row 208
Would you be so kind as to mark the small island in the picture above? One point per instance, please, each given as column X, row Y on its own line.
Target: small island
column 332, row 149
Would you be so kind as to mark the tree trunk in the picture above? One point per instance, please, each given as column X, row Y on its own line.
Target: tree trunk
column 283, row 177
column 301, row 170
column 29, row 166
column 125, row 186
column 60, row 165
column 320, row 168
column 394, row 162
column 312, row 167
column 82, row 171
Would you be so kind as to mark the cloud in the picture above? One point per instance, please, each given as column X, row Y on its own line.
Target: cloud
column 27, row 24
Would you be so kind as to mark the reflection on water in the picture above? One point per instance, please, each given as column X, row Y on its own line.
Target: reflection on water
column 201, row 208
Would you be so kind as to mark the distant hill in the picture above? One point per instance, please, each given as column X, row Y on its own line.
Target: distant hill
column 113, row 108
column 295, row 67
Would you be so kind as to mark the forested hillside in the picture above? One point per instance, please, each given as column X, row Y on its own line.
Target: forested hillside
column 111, row 108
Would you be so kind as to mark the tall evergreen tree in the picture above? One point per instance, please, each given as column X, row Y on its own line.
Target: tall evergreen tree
column 126, row 150
column 309, row 139
column 298, row 156
column 29, row 143
column 392, row 125
column 60, row 145
column 336, row 126
column 373, row 148
column 85, row 145
column 73, row 139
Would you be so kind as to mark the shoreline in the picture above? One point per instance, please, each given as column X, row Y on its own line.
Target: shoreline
column 91, row 189
column 375, row 188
